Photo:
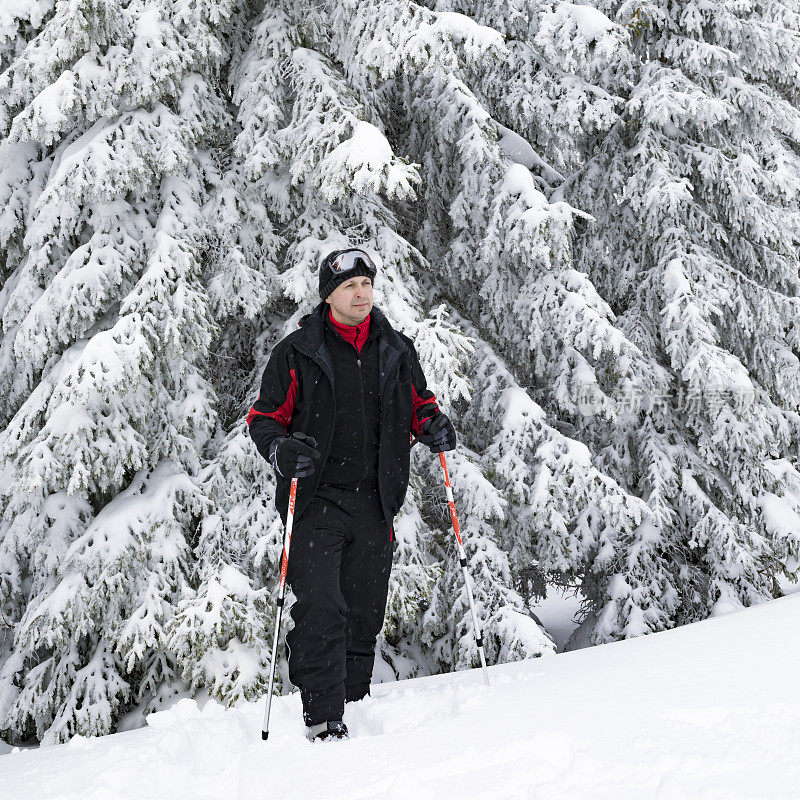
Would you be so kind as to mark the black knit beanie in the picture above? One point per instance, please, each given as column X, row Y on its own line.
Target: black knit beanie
column 329, row 279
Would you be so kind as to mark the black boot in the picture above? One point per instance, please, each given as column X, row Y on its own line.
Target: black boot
column 334, row 729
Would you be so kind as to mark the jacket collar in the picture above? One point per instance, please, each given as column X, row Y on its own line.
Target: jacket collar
column 356, row 335
column 313, row 326
column 312, row 342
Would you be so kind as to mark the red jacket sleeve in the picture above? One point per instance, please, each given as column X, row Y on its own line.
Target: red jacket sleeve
column 271, row 414
column 423, row 400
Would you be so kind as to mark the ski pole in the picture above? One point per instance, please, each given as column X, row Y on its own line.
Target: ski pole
column 287, row 540
column 463, row 559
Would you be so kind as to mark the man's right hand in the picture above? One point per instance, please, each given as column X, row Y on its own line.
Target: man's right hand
column 294, row 456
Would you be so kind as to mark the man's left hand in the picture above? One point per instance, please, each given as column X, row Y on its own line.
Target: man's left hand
column 438, row 433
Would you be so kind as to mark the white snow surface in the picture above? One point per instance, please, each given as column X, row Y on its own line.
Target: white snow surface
column 708, row 711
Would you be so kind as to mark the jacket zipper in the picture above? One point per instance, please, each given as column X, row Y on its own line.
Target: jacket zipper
column 363, row 407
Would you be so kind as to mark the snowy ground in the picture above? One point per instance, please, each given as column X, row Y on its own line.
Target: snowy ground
column 706, row 712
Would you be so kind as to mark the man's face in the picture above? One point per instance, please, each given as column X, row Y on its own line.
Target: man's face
column 351, row 301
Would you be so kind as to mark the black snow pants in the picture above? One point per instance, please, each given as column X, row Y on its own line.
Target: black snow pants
column 340, row 558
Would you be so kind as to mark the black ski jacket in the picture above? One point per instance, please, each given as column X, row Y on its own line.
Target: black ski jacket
column 297, row 394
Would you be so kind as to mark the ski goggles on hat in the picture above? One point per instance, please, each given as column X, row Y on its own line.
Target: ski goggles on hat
column 348, row 260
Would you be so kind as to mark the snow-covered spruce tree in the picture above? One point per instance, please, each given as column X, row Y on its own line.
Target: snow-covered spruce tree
column 499, row 250
column 220, row 632
column 695, row 192
column 561, row 88
column 639, row 573
column 105, row 111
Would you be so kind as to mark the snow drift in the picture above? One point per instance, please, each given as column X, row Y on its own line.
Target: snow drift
column 708, row 711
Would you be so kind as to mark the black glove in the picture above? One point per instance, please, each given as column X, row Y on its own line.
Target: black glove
column 438, row 433
column 293, row 456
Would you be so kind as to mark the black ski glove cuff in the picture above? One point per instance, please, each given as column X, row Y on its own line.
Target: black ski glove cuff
column 438, row 433
column 294, row 456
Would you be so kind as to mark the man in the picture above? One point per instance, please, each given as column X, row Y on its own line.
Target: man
column 339, row 399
